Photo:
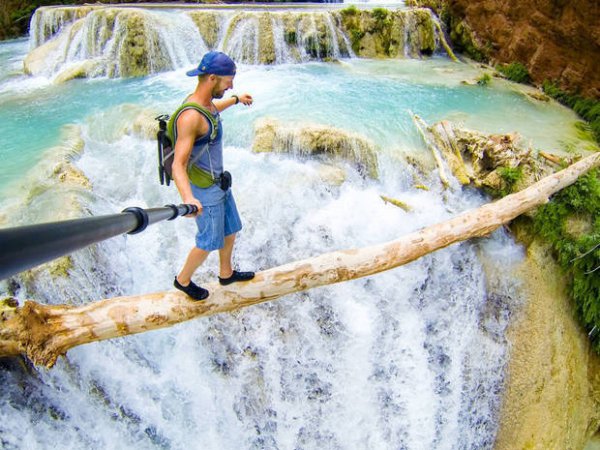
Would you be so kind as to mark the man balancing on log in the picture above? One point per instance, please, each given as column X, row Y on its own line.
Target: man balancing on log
column 198, row 170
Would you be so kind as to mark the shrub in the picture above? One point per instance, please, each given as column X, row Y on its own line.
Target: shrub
column 511, row 176
column 588, row 109
column 578, row 256
column 484, row 80
column 515, row 72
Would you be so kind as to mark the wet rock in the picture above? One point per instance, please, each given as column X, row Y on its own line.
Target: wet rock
column 553, row 398
column 334, row 176
column 41, row 59
column 208, row 24
column 83, row 69
column 386, row 33
column 314, row 139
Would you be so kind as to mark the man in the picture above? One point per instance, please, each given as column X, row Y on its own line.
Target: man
column 198, row 171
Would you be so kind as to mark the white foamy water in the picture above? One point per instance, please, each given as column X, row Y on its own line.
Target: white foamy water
column 411, row 358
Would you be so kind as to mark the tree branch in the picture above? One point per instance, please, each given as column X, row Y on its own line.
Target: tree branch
column 44, row 332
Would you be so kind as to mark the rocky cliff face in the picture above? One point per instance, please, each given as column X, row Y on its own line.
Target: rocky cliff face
column 557, row 40
column 552, row 400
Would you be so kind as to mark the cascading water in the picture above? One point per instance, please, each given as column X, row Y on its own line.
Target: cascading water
column 411, row 358
column 122, row 42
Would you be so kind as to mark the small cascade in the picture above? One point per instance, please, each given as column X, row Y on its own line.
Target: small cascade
column 75, row 42
column 242, row 38
column 45, row 24
column 114, row 42
column 283, row 37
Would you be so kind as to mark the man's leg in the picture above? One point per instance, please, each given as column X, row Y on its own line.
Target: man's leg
column 232, row 224
column 225, row 254
column 195, row 258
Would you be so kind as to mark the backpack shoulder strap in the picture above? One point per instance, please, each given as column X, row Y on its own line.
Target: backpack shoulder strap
column 212, row 121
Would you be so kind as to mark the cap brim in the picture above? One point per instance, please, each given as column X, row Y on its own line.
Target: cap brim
column 193, row 73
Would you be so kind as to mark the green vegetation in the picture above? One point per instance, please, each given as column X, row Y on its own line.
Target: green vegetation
column 510, row 176
column 381, row 16
column 570, row 223
column 515, row 72
column 376, row 22
column 484, row 80
column 351, row 20
column 350, row 11
column 439, row 7
column 15, row 16
column 587, row 108
column 463, row 40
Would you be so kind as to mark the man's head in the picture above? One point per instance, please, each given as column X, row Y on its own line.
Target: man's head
column 219, row 69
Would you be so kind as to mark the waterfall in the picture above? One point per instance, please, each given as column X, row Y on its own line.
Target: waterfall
column 71, row 42
column 116, row 42
column 411, row 358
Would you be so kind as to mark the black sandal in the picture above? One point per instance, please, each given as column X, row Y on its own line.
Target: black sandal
column 236, row 276
column 192, row 290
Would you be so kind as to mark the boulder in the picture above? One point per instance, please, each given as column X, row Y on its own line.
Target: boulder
column 82, row 69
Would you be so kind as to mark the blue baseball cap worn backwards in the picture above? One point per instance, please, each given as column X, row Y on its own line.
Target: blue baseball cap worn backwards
column 216, row 63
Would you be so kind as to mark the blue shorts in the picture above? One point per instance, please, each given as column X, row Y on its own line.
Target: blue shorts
column 219, row 217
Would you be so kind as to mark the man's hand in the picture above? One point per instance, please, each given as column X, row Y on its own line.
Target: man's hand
column 195, row 202
column 246, row 99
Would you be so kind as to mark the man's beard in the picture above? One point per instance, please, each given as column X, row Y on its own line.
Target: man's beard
column 218, row 94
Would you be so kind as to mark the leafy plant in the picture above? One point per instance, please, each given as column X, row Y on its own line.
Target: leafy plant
column 577, row 254
column 511, row 176
column 516, row 72
column 587, row 108
column 484, row 80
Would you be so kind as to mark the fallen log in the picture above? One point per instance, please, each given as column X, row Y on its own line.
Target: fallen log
column 44, row 332
column 552, row 158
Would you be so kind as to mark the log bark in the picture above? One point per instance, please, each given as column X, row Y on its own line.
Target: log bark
column 44, row 332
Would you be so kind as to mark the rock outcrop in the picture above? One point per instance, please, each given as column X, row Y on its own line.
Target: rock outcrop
column 314, row 139
column 552, row 400
column 556, row 40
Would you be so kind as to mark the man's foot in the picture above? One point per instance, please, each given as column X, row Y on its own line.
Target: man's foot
column 236, row 276
column 192, row 290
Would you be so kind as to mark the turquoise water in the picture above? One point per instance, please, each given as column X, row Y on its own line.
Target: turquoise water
column 411, row 358
column 31, row 117
column 374, row 98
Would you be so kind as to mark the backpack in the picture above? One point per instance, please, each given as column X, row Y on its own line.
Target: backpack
column 167, row 136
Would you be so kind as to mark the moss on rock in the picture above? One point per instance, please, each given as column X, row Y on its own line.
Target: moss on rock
column 465, row 41
column 266, row 39
column 133, row 58
column 208, row 25
column 383, row 33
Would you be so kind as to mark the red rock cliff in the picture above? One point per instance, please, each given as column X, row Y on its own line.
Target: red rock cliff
column 555, row 39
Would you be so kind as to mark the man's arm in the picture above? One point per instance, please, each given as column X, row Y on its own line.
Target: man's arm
column 225, row 103
column 189, row 125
